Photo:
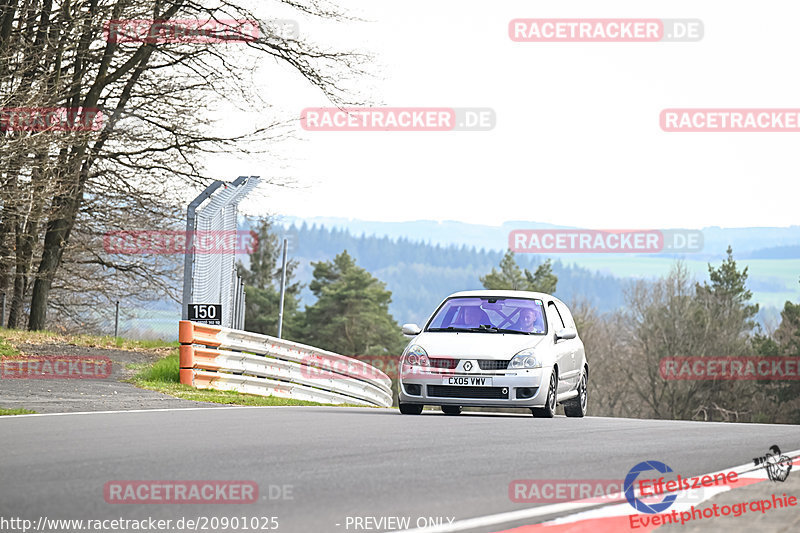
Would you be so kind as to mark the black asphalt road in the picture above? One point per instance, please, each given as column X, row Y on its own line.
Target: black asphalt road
column 341, row 462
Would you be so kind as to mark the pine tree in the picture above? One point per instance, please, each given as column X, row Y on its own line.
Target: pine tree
column 511, row 277
column 351, row 314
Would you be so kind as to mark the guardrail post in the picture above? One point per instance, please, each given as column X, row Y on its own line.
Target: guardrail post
column 186, row 352
column 186, row 364
column 116, row 320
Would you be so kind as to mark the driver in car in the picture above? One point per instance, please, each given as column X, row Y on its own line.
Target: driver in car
column 530, row 320
column 473, row 316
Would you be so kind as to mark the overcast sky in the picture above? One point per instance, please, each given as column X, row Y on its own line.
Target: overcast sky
column 577, row 140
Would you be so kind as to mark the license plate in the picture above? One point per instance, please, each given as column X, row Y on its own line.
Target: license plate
column 469, row 381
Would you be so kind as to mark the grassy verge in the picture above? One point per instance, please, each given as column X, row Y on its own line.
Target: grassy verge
column 6, row 412
column 163, row 376
column 16, row 336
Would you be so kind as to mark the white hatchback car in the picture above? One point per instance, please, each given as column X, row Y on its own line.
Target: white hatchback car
column 495, row 349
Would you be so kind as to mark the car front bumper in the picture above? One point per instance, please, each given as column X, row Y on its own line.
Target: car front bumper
column 509, row 388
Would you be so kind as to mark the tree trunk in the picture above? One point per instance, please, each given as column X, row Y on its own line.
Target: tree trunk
column 55, row 240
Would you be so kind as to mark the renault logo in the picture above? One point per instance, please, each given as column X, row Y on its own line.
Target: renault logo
column 468, row 366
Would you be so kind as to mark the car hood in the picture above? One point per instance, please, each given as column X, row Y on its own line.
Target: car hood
column 475, row 345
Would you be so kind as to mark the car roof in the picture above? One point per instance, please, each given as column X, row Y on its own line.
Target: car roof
column 505, row 294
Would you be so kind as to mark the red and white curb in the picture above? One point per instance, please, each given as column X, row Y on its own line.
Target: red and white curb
column 610, row 518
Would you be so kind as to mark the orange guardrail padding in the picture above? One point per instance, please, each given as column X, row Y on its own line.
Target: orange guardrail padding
column 187, row 375
column 192, row 332
column 185, row 332
column 186, row 352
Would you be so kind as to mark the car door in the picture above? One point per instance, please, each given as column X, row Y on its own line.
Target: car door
column 561, row 347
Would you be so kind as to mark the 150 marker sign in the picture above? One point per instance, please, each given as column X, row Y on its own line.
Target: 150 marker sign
column 210, row 314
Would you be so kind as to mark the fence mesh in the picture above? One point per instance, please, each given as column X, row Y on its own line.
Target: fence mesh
column 214, row 277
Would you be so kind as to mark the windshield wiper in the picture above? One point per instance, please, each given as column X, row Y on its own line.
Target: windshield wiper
column 485, row 328
column 503, row 330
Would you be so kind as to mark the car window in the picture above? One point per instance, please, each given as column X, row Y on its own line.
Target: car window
column 511, row 315
column 555, row 316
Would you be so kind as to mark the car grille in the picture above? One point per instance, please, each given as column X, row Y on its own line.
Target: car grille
column 441, row 362
column 450, row 391
column 491, row 364
column 484, row 364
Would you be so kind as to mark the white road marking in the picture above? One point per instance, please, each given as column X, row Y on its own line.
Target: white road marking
column 221, row 407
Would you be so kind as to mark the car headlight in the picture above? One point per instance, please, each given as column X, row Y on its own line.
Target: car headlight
column 525, row 359
column 416, row 356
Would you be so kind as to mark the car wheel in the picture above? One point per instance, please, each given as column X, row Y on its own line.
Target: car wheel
column 451, row 409
column 411, row 408
column 577, row 406
column 549, row 410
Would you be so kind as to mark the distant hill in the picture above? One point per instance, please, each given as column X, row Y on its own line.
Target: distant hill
column 776, row 252
column 420, row 275
column 716, row 239
column 423, row 261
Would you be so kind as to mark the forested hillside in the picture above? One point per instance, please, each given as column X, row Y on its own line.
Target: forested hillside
column 420, row 275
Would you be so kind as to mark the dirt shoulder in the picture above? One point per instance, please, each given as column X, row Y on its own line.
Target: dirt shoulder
column 76, row 395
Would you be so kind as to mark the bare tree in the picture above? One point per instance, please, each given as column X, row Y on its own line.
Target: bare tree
column 152, row 94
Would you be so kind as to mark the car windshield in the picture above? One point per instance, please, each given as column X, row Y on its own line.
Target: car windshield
column 490, row 315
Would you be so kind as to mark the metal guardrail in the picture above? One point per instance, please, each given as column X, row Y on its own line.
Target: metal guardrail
column 213, row 357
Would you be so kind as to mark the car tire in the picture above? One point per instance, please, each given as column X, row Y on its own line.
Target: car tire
column 411, row 408
column 576, row 407
column 451, row 409
column 549, row 410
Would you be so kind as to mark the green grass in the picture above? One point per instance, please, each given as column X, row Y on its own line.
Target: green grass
column 6, row 349
column 164, row 370
column 185, row 392
column 163, row 376
column 7, row 412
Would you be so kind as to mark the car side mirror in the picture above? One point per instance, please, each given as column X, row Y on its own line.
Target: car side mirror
column 411, row 329
column 566, row 333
